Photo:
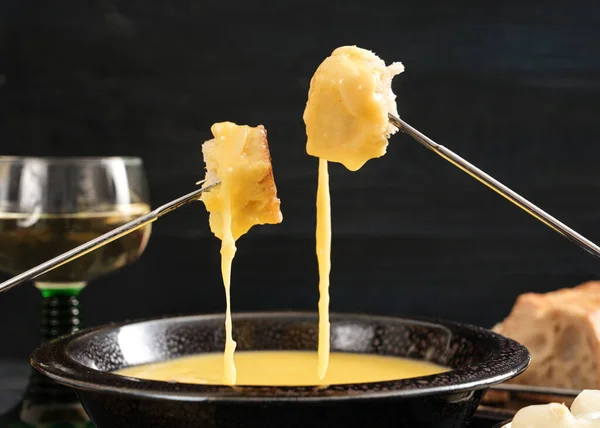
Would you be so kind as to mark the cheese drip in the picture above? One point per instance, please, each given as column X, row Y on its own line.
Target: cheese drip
column 239, row 158
column 228, row 250
column 323, row 239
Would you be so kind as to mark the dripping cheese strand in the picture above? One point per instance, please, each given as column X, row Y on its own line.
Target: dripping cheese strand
column 323, row 240
column 228, row 250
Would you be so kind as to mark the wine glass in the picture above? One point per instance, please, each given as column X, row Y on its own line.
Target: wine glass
column 49, row 206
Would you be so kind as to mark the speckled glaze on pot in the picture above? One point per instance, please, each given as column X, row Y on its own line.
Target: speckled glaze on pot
column 478, row 358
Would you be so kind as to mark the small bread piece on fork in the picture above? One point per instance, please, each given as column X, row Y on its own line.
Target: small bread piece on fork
column 346, row 114
column 239, row 157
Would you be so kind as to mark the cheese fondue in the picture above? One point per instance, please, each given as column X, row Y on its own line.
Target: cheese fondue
column 239, row 157
column 346, row 119
column 284, row 368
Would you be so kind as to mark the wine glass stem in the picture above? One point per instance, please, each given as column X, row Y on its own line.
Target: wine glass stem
column 60, row 315
column 61, row 312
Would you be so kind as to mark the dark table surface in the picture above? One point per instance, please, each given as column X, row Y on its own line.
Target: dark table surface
column 13, row 379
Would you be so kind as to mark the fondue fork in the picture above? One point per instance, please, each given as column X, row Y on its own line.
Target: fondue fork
column 496, row 186
column 107, row 238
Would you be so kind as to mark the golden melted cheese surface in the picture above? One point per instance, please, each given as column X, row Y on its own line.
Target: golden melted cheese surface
column 284, row 368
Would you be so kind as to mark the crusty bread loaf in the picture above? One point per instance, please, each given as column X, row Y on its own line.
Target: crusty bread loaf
column 239, row 157
column 561, row 330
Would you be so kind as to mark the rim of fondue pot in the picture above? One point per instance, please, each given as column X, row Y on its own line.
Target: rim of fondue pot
column 476, row 356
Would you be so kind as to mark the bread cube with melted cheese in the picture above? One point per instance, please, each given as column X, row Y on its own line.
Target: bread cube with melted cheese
column 239, row 157
column 346, row 115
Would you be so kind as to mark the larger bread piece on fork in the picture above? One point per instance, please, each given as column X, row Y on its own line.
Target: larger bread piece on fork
column 349, row 99
column 561, row 330
column 239, row 156
column 346, row 118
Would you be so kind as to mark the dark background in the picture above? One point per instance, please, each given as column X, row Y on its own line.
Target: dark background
column 512, row 86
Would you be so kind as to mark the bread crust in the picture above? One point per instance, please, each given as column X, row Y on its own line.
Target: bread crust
column 273, row 209
column 561, row 330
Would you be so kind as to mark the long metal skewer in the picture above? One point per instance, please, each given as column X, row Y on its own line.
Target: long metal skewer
column 496, row 186
column 103, row 239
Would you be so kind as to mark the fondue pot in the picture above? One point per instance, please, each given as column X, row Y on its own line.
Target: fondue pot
column 477, row 358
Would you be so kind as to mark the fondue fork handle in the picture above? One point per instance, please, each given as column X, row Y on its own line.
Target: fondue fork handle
column 496, row 186
column 102, row 240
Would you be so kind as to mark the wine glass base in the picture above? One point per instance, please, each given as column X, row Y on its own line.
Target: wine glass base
column 65, row 415
column 46, row 401
column 46, row 404
column 68, row 418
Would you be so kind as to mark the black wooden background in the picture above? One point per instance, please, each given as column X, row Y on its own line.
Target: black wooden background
column 512, row 86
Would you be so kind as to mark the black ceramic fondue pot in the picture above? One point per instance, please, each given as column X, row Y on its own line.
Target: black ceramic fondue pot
column 477, row 358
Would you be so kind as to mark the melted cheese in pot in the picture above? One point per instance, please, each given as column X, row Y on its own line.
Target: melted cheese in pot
column 346, row 120
column 228, row 250
column 239, row 157
column 284, row 368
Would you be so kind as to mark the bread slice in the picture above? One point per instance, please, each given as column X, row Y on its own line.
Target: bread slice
column 346, row 114
column 561, row 330
column 239, row 157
